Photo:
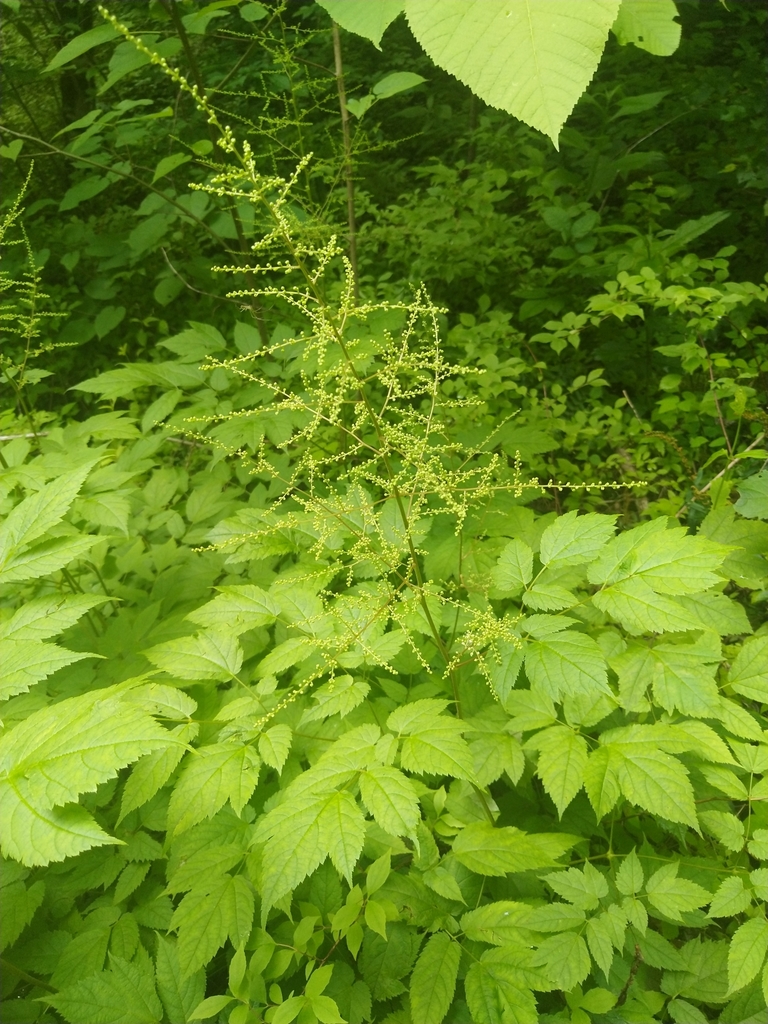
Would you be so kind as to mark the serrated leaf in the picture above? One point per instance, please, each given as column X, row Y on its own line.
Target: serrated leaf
column 338, row 697
column 630, row 876
column 730, row 899
column 44, row 558
column 584, row 889
column 208, row 655
column 562, row 762
column 237, row 609
column 749, row 671
column 573, row 539
column 530, row 709
column 497, row 992
column 672, row 895
column 566, row 959
column 205, row 918
column 601, row 781
column 496, row 753
column 746, row 953
column 391, row 799
column 433, row 981
column 653, row 780
column 648, row 24
column 717, row 612
column 495, row 851
column 152, row 771
column 178, row 995
column 514, row 569
column 639, row 609
column 725, row 827
column 362, row 17
column 19, row 906
column 433, row 742
column 38, row 513
column 566, row 663
column 125, row 994
column 56, row 754
column 44, row 617
column 605, row 932
column 684, row 678
column 23, row 663
column 495, row 923
column 211, row 777
column 275, row 745
column 532, row 60
column 204, row 868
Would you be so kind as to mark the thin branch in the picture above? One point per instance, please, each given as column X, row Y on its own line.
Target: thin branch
column 352, row 227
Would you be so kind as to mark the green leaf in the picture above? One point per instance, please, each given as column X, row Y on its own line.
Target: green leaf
column 152, row 771
column 648, row 24
column 44, row 617
column 209, row 655
column 725, row 827
column 717, row 612
column 56, row 754
column 205, row 917
column 566, row 663
column 497, row 992
column 338, row 697
column 601, row 781
column 495, row 923
column 125, row 994
column 179, row 996
column 496, row 851
column 45, row 558
column 391, row 799
column 364, row 18
column 753, row 500
column 672, row 895
column 653, row 780
column 433, row 742
column 19, row 906
column 274, row 746
column 25, row 662
column 746, row 953
column 566, row 959
column 201, row 867
column 81, row 44
column 562, row 763
column 433, row 981
column 605, row 932
column 748, row 675
column 210, row 1007
column 532, row 60
column 584, row 889
column 572, row 539
column 237, row 609
column 684, row 678
column 730, row 899
column 398, row 81
column 384, row 963
column 630, row 877
column 211, row 777
column 169, row 164
column 38, row 513
column 514, row 569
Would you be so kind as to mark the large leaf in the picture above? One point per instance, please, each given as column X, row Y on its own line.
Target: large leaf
column 531, row 59
column 58, row 753
column 205, row 917
column 212, row 775
column 567, row 663
column 648, row 24
column 496, row 991
column 391, row 799
column 434, row 978
column 214, row 654
column 364, row 18
column 125, row 994
column 562, row 763
column 746, row 955
column 496, row 851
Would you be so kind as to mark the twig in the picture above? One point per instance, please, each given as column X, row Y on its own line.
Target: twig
column 29, row 978
column 732, row 463
column 210, row 295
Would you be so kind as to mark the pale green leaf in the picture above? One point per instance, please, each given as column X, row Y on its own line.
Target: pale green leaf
column 44, row 617
column 573, row 539
column 639, row 609
column 654, row 781
column 530, row 709
column 630, row 877
column 274, row 746
column 19, row 906
column 730, row 899
column 433, row 742
column 125, row 994
column 163, row 700
column 337, row 697
column 44, row 558
column 496, row 753
column 284, row 656
column 205, row 918
column 25, row 662
column 549, row 597
column 566, row 959
column 684, row 678
column 606, row 932
column 391, row 799
column 237, row 609
column 717, row 612
column 203, row 868
column 648, row 24
column 346, row 832
column 56, row 754
column 497, row 992
column 584, row 889
column 514, row 569
column 533, row 60
column 673, row 895
column 211, row 777
column 747, row 951
column 207, row 1008
column 208, row 655
column 749, row 671
column 153, row 770
column 566, row 663
column 753, row 500
column 562, row 763
column 758, row 844
column 441, row 881
column 487, row 850
column 364, row 18
column 39, row 512
column 601, row 781
column 725, row 827
column 397, row 82
column 495, row 923
column 433, row 981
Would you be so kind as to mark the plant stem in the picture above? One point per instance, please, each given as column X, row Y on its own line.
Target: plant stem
column 352, row 227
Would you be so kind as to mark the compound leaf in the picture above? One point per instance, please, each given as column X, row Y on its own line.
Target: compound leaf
column 433, row 981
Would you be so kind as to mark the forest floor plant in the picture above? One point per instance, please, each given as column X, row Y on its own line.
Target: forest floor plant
column 426, row 755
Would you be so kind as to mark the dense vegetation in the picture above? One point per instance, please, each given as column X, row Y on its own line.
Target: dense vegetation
column 393, row 484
